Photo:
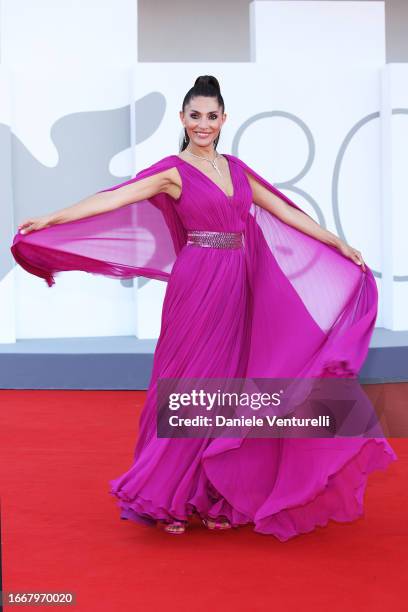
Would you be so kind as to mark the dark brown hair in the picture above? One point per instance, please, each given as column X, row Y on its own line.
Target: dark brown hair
column 208, row 86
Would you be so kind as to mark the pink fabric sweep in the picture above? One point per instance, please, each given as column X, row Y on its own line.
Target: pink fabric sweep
column 285, row 305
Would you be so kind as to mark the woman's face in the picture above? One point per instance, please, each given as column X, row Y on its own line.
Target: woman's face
column 202, row 119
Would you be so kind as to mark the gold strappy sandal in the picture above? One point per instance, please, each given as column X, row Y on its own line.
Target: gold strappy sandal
column 221, row 523
column 175, row 527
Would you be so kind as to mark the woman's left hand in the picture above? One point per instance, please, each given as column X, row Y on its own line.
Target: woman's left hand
column 352, row 254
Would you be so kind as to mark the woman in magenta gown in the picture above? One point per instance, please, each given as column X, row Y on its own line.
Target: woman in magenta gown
column 255, row 288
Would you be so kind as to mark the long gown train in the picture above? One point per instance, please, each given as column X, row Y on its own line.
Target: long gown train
column 283, row 305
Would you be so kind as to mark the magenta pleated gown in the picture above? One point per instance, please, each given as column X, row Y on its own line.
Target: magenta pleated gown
column 283, row 305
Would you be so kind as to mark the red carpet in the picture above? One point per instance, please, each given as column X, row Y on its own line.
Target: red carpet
column 61, row 529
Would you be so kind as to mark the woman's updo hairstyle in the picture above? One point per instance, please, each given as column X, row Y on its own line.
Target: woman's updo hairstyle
column 209, row 87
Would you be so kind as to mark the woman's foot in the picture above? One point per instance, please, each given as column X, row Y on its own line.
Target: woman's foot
column 218, row 523
column 175, row 527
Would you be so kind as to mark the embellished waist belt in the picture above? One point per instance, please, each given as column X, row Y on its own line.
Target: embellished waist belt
column 218, row 240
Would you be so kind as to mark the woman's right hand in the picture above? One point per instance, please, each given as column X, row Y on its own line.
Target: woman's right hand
column 104, row 201
column 34, row 223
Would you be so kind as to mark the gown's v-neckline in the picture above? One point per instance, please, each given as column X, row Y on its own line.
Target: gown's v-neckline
column 229, row 197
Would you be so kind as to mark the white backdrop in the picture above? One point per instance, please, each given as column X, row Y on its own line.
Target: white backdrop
column 315, row 126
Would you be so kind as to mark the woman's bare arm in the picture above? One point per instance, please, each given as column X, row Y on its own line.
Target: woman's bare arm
column 105, row 201
column 299, row 220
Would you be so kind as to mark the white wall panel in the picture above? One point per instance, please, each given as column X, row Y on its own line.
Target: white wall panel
column 59, row 31
column 290, row 34
column 305, row 114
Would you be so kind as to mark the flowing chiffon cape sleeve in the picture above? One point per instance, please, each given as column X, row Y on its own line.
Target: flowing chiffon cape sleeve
column 310, row 303
column 139, row 239
column 308, row 300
